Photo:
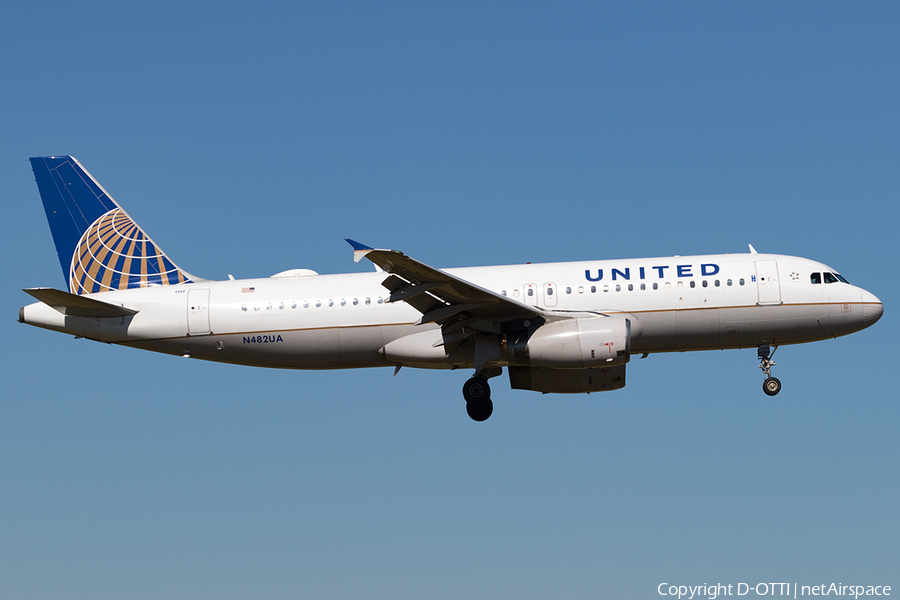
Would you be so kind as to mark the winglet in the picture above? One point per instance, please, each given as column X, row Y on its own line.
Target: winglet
column 752, row 249
column 359, row 250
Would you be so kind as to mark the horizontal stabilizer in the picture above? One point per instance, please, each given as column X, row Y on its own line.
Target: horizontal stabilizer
column 78, row 306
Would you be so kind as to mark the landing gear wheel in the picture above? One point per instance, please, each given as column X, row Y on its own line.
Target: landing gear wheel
column 477, row 393
column 476, row 390
column 480, row 410
column 771, row 386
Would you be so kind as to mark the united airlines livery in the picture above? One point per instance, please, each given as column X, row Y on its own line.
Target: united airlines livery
column 557, row 328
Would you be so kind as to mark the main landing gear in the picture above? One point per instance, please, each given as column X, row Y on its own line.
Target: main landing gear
column 771, row 385
column 477, row 393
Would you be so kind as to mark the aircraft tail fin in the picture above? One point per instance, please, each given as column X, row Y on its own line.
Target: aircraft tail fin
column 100, row 247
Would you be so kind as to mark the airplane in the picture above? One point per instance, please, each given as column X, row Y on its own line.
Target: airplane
column 558, row 328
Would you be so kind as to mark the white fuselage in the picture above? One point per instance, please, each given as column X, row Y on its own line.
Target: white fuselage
column 341, row 321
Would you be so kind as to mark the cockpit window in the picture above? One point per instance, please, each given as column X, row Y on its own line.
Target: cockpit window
column 841, row 279
column 815, row 278
column 830, row 278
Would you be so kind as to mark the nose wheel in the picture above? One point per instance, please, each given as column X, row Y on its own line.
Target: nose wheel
column 771, row 385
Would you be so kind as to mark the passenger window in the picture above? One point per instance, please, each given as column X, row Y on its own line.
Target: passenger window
column 549, row 291
column 293, row 304
column 655, row 286
column 516, row 293
column 355, row 302
column 306, row 304
column 281, row 306
column 343, row 302
column 530, row 291
column 728, row 283
column 580, row 290
column 630, row 287
column 830, row 278
column 693, row 283
column 593, row 289
column 815, row 278
column 380, row 299
column 668, row 285
column 705, row 283
column 618, row 288
column 605, row 288
column 330, row 302
column 318, row 304
column 568, row 290
column 741, row 281
column 717, row 283
column 503, row 292
column 244, row 307
column 643, row 286
column 368, row 301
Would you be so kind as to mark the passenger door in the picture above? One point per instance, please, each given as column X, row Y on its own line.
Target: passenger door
column 198, row 312
column 767, row 282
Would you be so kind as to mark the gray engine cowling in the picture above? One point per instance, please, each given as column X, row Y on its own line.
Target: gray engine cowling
column 572, row 344
column 567, row 381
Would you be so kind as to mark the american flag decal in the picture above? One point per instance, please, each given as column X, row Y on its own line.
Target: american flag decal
column 247, row 290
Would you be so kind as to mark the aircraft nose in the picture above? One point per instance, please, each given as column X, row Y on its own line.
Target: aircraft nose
column 872, row 308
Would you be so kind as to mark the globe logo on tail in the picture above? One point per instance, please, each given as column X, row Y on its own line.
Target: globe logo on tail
column 115, row 254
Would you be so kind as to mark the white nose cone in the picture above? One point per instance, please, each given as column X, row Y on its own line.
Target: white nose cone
column 872, row 308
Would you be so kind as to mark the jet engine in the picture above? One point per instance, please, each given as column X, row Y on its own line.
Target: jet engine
column 572, row 344
column 572, row 356
column 567, row 381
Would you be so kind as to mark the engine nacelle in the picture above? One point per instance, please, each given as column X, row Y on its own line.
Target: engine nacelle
column 572, row 344
column 567, row 381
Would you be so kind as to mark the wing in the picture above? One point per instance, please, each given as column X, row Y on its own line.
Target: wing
column 445, row 299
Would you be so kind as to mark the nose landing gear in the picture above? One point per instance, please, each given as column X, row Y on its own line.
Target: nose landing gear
column 771, row 385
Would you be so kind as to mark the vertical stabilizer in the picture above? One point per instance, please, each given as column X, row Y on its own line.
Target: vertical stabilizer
column 100, row 247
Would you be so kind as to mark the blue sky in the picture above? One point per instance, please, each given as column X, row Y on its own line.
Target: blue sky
column 254, row 139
